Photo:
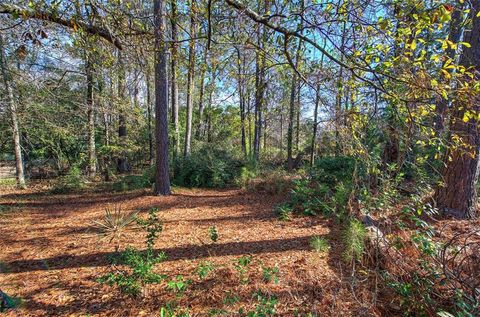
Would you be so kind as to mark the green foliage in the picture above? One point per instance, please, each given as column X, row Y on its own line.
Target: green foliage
column 284, row 211
column 178, row 285
column 242, row 267
column 354, row 235
column 212, row 231
column 319, row 244
column 271, row 274
column 266, row 305
column 72, row 181
column 139, row 264
column 133, row 182
column 231, row 299
column 325, row 190
column 207, row 167
column 152, row 226
column 204, row 269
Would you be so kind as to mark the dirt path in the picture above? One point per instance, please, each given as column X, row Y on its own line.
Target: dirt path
column 50, row 256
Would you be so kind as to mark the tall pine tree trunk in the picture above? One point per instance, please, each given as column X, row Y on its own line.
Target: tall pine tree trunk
column 315, row 126
column 13, row 116
column 151, row 156
column 162, row 180
column 174, row 84
column 458, row 195
column 92, row 157
column 122, row 164
column 190, row 79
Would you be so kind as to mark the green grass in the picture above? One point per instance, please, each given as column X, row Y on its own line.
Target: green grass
column 319, row 244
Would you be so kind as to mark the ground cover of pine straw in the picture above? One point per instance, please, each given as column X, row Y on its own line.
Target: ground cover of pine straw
column 51, row 256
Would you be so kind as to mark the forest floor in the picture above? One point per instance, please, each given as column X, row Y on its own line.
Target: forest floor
column 51, row 255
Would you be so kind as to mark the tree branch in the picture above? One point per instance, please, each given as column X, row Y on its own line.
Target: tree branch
column 29, row 13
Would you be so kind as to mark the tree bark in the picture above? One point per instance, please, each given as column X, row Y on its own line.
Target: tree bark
column 13, row 116
column 241, row 97
column 162, row 178
column 260, row 84
column 122, row 164
column 458, row 195
column 315, row 126
column 173, row 74
column 92, row 157
column 151, row 156
column 201, row 104
column 190, row 79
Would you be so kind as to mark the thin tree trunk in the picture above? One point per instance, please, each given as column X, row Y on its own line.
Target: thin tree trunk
column 151, row 156
column 92, row 157
column 291, row 112
column 190, row 79
column 174, row 84
column 297, row 133
column 458, row 195
column 162, row 178
column 260, row 85
column 13, row 116
column 315, row 126
column 201, row 104
column 240, row 82
column 122, row 165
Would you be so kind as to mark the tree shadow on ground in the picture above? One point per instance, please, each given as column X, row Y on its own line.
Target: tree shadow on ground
column 189, row 252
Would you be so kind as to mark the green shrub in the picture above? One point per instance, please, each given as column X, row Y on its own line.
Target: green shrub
column 70, row 182
column 132, row 182
column 284, row 211
column 207, row 167
column 212, row 231
column 326, row 189
column 354, row 236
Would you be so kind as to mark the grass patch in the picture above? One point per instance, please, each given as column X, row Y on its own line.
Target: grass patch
column 319, row 244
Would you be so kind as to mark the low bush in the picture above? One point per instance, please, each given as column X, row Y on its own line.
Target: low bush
column 72, row 181
column 207, row 167
column 326, row 189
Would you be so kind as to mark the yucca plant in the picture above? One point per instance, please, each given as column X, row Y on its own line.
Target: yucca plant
column 114, row 222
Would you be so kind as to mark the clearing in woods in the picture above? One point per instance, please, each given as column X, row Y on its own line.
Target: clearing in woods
column 52, row 255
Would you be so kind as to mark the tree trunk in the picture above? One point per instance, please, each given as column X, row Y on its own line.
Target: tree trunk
column 291, row 112
column 201, row 104
column 260, row 85
column 291, row 115
column 190, row 79
column 458, row 195
column 241, row 97
column 122, row 164
column 92, row 157
column 151, row 156
column 162, row 178
column 13, row 115
column 174, row 84
column 315, row 126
